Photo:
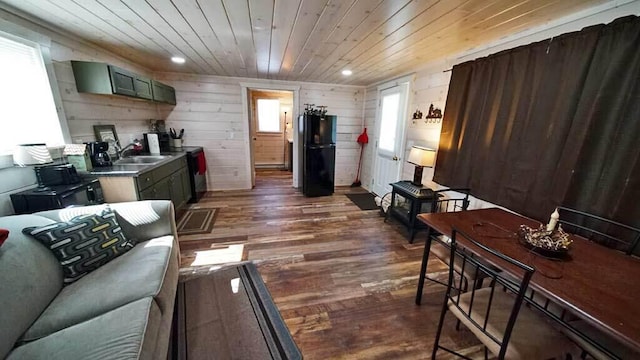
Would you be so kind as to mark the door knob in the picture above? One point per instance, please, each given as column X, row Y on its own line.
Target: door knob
column 395, row 158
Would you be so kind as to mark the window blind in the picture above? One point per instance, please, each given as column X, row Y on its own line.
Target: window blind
column 27, row 109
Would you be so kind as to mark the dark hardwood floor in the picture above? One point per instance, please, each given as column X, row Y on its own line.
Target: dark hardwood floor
column 342, row 278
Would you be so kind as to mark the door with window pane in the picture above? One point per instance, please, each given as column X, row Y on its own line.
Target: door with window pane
column 269, row 127
column 391, row 113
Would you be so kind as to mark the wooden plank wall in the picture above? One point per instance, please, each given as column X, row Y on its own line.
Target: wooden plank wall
column 270, row 148
column 429, row 87
column 210, row 110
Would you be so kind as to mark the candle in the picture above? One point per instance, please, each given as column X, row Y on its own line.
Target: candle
column 553, row 221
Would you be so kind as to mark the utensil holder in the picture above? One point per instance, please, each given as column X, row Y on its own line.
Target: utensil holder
column 175, row 143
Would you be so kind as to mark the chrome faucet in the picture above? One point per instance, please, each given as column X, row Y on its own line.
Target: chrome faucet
column 135, row 144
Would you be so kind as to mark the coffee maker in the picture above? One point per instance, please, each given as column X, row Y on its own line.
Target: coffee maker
column 98, row 153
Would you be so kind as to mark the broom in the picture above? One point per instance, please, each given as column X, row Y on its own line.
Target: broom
column 362, row 139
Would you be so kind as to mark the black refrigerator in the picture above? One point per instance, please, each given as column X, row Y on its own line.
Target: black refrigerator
column 319, row 154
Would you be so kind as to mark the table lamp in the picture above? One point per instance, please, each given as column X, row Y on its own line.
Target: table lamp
column 33, row 155
column 421, row 157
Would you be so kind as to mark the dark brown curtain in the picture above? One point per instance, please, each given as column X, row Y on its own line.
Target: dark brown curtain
column 550, row 123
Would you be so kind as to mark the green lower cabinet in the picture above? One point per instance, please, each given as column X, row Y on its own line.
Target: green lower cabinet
column 158, row 191
column 148, row 194
column 186, row 185
column 164, row 190
column 176, row 185
column 168, row 182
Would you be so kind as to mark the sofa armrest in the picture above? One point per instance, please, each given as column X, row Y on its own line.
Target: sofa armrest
column 140, row 220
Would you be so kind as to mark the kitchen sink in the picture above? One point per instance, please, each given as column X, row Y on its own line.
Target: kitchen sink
column 141, row 160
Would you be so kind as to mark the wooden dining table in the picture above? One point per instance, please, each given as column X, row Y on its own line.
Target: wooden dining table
column 597, row 284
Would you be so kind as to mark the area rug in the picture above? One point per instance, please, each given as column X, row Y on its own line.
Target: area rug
column 364, row 201
column 197, row 221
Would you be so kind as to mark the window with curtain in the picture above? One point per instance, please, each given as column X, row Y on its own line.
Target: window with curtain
column 269, row 115
column 28, row 112
column 551, row 123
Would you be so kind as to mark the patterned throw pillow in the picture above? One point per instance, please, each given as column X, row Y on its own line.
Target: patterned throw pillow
column 84, row 243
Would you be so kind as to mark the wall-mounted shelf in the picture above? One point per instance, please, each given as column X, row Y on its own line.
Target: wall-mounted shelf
column 434, row 116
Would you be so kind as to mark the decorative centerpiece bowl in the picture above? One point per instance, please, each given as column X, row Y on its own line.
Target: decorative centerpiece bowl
column 554, row 243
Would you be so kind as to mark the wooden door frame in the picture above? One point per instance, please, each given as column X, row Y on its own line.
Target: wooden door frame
column 405, row 80
column 254, row 96
column 246, row 114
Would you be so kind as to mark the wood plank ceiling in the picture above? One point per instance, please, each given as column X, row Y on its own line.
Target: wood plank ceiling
column 303, row 40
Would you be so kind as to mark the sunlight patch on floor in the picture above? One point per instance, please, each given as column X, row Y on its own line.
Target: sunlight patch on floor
column 232, row 253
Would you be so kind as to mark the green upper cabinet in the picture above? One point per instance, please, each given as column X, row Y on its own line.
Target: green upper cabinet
column 163, row 93
column 92, row 77
column 101, row 78
column 143, row 88
column 123, row 82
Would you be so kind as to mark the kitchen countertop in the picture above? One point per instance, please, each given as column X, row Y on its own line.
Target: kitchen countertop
column 134, row 170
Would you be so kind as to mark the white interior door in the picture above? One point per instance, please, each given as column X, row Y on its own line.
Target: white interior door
column 392, row 110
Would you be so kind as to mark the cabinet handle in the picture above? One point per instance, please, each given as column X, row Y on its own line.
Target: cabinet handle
column 91, row 195
column 147, row 179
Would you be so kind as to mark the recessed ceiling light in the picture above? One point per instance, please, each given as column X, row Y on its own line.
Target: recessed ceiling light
column 178, row 60
column 347, row 72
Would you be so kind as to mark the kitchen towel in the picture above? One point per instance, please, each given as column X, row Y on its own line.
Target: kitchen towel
column 154, row 144
column 202, row 163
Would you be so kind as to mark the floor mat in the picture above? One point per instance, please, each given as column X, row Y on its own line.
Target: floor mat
column 364, row 201
column 197, row 221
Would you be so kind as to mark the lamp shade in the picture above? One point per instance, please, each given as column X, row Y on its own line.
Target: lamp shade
column 422, row 156
column 31, row 154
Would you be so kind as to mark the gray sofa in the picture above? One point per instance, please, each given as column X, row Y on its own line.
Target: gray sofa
column 122, row 310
